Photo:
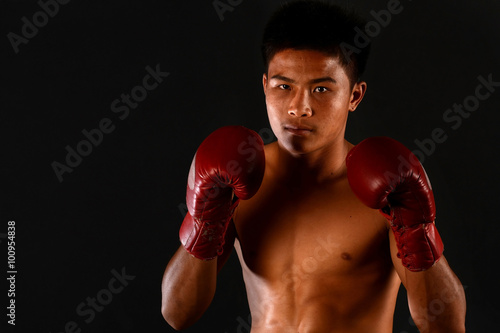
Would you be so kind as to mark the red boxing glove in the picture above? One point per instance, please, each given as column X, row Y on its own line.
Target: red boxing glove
column 230, row 160
column 385, row 175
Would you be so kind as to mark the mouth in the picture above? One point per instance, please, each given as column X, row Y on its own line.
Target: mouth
column 299, row 130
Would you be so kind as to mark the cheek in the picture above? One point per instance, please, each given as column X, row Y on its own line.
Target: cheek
column 274, row 106
column 273, row 100
column 333, row 114
column 340, row 105
column 273, row 115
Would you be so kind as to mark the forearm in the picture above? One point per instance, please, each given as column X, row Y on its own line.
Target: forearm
column 436, row 299
column 188, row 287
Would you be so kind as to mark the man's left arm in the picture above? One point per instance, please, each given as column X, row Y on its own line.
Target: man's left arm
column 385, row 175
column 436, row 297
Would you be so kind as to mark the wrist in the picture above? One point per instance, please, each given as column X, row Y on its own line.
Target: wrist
column 419, row 246
column 204, row 238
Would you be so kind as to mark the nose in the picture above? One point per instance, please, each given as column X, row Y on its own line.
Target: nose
column 299, row 106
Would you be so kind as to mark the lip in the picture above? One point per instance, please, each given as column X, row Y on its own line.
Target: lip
column 300, row 130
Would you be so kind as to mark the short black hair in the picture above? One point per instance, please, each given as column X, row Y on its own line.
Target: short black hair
column 320, row 26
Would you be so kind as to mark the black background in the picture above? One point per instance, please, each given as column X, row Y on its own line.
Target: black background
column 119, row 208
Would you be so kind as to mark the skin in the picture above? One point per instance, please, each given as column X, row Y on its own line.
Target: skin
column 314, row 258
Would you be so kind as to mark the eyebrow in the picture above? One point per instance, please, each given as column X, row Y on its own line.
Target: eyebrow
column 318, row 80
column 324, row 79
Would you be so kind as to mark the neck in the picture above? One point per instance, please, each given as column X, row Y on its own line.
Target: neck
column 313, row 168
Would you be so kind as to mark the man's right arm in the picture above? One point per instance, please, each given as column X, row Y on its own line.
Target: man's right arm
column 188, row 284
column 229, row 162
column 188, row 288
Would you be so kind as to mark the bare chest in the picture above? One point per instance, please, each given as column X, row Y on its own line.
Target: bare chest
column 319, row 231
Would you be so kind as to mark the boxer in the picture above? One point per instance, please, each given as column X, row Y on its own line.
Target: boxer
column 325, row 231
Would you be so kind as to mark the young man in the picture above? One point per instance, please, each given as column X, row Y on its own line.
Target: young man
column 302, row 212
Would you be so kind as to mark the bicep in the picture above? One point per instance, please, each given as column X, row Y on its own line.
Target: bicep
column 398, row 265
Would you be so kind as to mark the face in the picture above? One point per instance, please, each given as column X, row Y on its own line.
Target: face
column 308, row 97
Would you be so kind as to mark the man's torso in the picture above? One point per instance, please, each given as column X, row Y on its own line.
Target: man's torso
column 314, row 258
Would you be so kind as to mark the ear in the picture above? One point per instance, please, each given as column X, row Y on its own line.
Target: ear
column 264, row 82
column 358, row 91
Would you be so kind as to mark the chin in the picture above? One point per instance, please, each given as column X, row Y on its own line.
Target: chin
column 295, row 147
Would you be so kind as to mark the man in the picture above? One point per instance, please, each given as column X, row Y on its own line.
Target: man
column 316, row 254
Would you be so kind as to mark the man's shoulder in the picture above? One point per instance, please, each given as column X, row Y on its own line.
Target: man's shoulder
column 270, row 153
column 270, row 148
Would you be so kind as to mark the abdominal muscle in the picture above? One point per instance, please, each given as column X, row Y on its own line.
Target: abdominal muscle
column 307, row 303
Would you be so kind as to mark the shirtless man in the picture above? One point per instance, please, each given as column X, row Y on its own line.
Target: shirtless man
column 317, row 254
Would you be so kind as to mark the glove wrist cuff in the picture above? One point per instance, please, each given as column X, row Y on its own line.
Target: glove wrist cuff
column 204, row 239
column 419, row 246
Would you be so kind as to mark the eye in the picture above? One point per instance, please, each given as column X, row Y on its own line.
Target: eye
column 320, row 89
column 284, row 86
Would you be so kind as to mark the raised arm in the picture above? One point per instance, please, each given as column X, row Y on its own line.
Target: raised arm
column 228, row 166
column 188, row 284
column 385, row 175
column 436, row 298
